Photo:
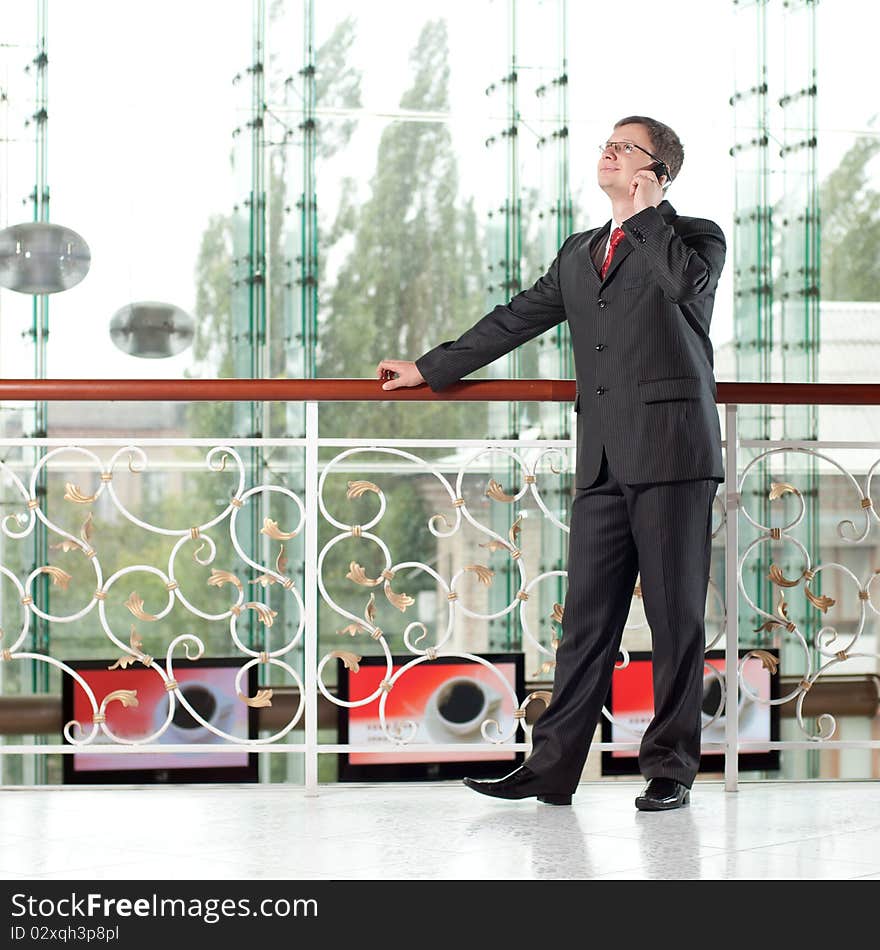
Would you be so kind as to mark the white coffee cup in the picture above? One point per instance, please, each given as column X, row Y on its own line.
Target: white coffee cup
column 461, row 704
column 211, row 704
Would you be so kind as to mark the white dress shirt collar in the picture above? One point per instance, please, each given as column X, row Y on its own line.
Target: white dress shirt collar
column 614, row 224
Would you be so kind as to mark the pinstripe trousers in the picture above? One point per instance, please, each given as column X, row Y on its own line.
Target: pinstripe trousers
column 663, row 532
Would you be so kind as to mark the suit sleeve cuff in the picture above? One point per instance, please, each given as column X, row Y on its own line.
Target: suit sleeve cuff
column 426, row 365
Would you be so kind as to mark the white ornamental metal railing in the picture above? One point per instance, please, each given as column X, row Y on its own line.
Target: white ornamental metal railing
column 99, row 462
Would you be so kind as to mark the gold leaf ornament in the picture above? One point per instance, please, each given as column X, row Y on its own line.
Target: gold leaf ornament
column 260, row 701
column 782, row 610
column 556, row 616
column 515, row 529
column 768, row 625
column 778, row 489
column 136, row 605
column 218, row 578
column 484, row 574
column 358, row 488
column 496, row 491
column 87, row 529
column 127, row 660
column 128, row 697
column 768, row 660
column 400, row 601
column 358, row 574
column 59, row 577
column 782, row 606
column 265, row 614
column 271, row 529
column 494, row 545
column 68, row 544
column 73, row 493
column 64, row 546
column 266, row 580
column 353, row 628
column 134, row 639
column 777, row 577
column 351, row 660
column 819, row 600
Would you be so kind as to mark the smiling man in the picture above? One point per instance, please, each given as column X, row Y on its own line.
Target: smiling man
column 638, row 295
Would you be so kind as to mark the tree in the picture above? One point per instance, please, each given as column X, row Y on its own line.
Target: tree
column 850, row 227
column 214, row 336
column 414, row 274
column 336, row 85
column 412, row 278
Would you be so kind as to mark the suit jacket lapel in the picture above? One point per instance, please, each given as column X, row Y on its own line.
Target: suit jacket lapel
column 625, row 247
column 596, row 248
column 596, row 252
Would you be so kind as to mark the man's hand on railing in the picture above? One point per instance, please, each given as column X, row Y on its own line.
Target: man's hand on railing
column 407, row 374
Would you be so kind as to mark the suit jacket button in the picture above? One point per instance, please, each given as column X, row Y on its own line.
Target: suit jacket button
column 600, row 346
column 602, row 303
column 600, row 390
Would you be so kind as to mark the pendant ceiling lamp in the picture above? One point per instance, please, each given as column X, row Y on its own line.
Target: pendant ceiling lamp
column 42, row 258
column 152, row 330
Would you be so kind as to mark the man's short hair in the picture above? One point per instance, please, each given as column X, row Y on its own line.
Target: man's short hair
column 667, row 144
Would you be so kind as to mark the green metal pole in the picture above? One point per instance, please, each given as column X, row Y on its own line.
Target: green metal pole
column 753, row 286
column 308, row 201
column 798, row 295
column 40, row 331
column 257, row 276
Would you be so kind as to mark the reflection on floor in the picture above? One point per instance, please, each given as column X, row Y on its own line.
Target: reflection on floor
column 420, row 831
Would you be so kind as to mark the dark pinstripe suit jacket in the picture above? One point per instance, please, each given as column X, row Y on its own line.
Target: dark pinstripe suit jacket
column 642, row 353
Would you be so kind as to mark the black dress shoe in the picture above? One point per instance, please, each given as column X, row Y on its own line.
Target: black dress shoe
column 520, row 783
column 661, row 794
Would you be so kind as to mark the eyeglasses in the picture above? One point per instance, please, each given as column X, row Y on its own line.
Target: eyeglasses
column 627, row 147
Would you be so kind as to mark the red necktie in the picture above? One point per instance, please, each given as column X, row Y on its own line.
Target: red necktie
column 617, row 236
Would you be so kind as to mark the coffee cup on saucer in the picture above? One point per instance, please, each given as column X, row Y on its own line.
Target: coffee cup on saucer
column 460, row 705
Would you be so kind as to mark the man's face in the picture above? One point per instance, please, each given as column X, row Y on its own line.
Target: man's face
column 616, row 169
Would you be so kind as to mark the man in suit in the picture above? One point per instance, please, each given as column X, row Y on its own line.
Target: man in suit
column 638, row 294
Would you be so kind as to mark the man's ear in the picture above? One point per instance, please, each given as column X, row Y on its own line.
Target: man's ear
column 660, row 175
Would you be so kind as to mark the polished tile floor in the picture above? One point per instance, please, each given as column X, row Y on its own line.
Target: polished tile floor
column 772, row 830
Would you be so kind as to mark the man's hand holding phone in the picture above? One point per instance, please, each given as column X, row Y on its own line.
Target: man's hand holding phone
column 397, row 373
column 645, row 191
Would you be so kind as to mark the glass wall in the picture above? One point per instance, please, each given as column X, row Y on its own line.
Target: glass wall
column 323, row 183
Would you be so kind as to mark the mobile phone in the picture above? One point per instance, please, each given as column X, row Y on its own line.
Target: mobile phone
column 660, row 168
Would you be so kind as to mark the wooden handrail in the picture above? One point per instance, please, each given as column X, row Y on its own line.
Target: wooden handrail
column 331, row 390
